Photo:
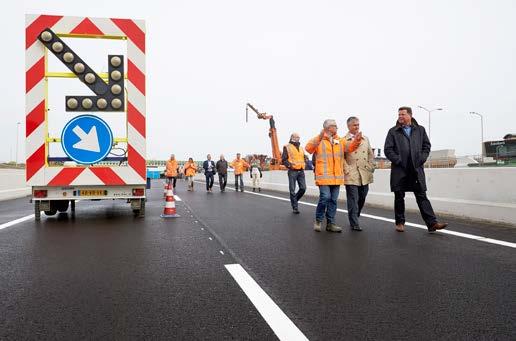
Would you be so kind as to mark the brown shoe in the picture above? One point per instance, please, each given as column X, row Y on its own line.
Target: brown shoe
column 400, row 227
column 437, row 226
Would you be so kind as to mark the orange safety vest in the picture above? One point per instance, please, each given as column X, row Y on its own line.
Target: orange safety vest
column 329, row 159
column 171, row 168
column 296, row 157
column 239, row 165
column 190, row 168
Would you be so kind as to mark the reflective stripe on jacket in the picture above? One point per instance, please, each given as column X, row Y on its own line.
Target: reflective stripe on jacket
column 296, row 157
column 171, row 168
column 329, row 158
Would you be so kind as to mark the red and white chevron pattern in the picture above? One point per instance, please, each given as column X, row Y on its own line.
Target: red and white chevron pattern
column 37, row 174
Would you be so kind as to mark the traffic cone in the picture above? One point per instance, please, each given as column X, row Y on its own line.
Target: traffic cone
column 165, row 188
column 169, row 210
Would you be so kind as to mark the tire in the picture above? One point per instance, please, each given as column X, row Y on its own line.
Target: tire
column 37, row 210
column 51, row 212
column 62, row 205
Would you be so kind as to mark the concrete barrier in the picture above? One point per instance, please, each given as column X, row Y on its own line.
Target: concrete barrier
column 480, row 194
column 12, row 184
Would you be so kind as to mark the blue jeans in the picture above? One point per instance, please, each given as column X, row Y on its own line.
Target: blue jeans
column 327, row 205
column 293, row 177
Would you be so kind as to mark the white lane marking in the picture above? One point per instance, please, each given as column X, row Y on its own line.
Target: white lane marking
column 221, row 252
column 423, row 227
column 17, row 221
column 282, row 326
column 15, row 190
column 177, row 198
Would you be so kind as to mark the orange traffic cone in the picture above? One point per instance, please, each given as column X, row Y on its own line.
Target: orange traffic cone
column 169, row 210
column 165, row 188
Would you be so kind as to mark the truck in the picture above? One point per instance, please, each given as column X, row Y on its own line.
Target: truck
column 86, row 161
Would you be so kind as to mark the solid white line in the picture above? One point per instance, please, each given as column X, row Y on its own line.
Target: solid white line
column 419, row 226
column 15, row 190
column 280, row 324
column 17, row 221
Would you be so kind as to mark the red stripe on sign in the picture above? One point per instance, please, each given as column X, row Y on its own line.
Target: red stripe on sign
column 34, row 29
column 35, row 118
column 136, row 161
column 132, row 31
column 107, row 175
column 136, row 76
column 35, row 74
column 35, row 162
column 135, row 118
column 87, row 27
column 66, row 176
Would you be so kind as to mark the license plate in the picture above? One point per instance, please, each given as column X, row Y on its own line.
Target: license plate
column 92, row 192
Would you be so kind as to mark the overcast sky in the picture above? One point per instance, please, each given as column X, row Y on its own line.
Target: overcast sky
column 303, row 62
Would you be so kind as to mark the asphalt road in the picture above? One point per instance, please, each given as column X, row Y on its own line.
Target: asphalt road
column 103, row 274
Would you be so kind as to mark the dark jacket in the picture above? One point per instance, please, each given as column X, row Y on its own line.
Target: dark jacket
column 408, row 156
column 205, row 165
column 222, row 167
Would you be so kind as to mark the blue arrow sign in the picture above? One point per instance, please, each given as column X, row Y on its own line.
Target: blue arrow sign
column 87, row 139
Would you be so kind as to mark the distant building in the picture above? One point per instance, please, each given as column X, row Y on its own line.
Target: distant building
column 502, row 150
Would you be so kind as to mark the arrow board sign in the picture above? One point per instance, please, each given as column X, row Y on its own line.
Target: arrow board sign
column 87, row 139
column 109, row 96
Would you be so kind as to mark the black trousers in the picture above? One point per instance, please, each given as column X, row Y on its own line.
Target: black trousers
column 173, row 179
column 293, row 177
column 355, row 199
column 223, row 180
column 425, row 207
column 209, row 180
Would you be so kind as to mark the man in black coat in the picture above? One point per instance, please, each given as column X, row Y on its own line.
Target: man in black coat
column 222, row 170
column 209, row 172
column 407, row 147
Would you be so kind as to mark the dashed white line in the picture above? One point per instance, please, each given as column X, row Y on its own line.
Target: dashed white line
column 282, row 326
column 419, row 226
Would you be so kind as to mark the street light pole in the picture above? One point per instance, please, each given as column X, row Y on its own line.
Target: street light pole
column 481, row 135
column 429, row 111
column 17, row 138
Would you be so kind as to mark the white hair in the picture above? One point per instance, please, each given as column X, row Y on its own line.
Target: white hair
column 329, row 122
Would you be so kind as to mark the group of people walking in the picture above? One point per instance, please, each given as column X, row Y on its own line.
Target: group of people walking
column 239, row 165
column 349, row 161
column 338, row 161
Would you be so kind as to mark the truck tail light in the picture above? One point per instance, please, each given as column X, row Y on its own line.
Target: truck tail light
column 40, row 193
column 138, row 192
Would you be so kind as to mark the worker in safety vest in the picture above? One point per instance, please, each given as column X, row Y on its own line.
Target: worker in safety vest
column 190, row 168
column 171, row 170
column 329, row 152
column 293, row 158
column 239, row 165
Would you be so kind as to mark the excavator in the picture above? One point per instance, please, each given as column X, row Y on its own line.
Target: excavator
column 276, row 153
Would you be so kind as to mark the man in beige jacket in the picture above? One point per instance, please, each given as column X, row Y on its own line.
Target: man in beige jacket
column 358, row 169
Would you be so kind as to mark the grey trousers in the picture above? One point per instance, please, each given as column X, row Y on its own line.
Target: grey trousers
column 355, row 198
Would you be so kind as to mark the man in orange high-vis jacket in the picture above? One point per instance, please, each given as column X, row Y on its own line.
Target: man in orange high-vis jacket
column 190, row 168
column 239, row 165
column 329, row 151
column 171, row 170
column 293, row 158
